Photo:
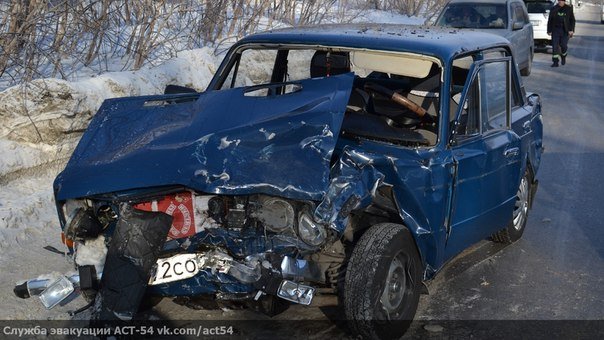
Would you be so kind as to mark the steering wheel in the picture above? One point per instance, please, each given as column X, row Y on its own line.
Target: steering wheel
column 397, row 98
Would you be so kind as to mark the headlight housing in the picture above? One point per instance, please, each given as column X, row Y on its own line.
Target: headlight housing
column 310, row 232
column 277, row 215
column 80, row 221
column 70, row 209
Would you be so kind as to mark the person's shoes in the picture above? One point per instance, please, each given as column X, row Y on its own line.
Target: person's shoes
column 555, row 64
column 563, row 59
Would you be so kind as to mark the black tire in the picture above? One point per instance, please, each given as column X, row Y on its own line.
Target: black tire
column 517, row 224
column 384, row 260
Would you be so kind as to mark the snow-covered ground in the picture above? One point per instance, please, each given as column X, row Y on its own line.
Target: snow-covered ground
column 41, row 122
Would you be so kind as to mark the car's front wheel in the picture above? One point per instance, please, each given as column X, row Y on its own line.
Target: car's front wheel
column 383, row 281
column 516, row 226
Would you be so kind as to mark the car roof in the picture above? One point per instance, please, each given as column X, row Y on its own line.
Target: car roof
column 441, row 42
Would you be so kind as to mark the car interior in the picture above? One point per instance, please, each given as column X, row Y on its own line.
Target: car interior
column 395, row 96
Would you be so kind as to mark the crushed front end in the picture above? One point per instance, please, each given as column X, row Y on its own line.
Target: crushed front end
column 189, row 244
column 163, row 196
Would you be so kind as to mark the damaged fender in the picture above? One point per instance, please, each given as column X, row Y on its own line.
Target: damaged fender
column 353, row 185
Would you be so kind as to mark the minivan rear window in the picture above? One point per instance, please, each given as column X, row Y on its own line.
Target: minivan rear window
column 538, row 6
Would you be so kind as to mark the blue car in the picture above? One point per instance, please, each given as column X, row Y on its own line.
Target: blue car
column 356, row 158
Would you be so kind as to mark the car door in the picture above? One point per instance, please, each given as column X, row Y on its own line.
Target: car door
column 522, row 37
column 486, row 154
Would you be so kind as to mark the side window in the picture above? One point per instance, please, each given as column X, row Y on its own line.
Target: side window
column 260, row 67
column 255, row 68
column 495, row 95
column 518, row 13
column 486, row 105
column 298, row 64
column 515, row 90
column 525, row 14
column 469, row 120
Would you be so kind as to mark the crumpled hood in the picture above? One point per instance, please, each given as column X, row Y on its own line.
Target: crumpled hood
column 223, row 142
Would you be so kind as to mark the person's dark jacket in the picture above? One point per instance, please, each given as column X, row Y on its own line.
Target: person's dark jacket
column 567, row 14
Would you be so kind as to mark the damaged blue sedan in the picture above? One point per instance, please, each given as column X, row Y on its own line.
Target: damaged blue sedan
column 358, row 159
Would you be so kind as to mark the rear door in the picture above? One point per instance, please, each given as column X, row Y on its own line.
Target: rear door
column 486, row 155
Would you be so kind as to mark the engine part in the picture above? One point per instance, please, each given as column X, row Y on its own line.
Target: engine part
column 236, row 217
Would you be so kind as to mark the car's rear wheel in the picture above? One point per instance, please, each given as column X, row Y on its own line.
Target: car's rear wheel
column 382, row 284
column 516, row 226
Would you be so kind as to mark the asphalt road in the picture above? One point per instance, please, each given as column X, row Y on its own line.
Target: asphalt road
column 556, row 271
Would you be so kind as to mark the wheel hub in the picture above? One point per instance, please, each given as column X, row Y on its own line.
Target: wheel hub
column 395, row 287
column 522, row 203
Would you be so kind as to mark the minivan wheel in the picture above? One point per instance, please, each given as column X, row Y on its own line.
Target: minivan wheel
column 516, row 226
column 382, row 284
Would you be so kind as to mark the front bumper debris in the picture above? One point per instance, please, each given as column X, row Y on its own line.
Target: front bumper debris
column 291, row 270
column 295, row 292
column 58, row 291
column 35, row 287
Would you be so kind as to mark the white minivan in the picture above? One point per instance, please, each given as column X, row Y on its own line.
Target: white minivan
column 538, row 12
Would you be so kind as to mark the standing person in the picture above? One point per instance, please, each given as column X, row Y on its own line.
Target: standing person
column 561, row 27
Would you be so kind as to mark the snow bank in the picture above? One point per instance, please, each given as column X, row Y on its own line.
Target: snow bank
column 46, row 110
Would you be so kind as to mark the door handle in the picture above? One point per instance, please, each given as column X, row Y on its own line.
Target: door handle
column 527, row 125
column 511, row 152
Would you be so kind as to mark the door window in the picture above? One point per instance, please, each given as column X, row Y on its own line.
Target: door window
column 518, row 14
column 486, row 103
column 495, row 97
column 469, row 120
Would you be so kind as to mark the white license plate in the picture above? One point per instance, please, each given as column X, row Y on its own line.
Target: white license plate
column 535, row 22
column 177, row 267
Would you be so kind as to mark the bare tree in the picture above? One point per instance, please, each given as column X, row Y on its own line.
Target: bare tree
column 42, row 38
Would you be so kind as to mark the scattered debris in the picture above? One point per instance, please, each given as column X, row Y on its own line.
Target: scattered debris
column 434, row 328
